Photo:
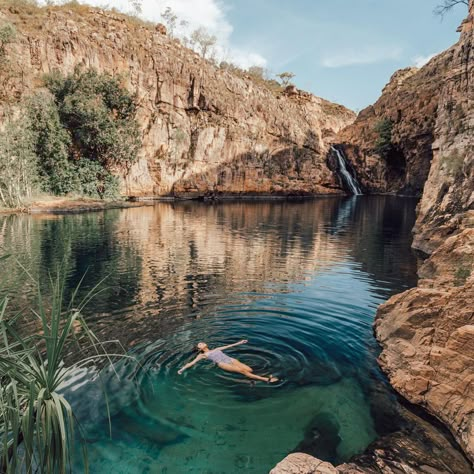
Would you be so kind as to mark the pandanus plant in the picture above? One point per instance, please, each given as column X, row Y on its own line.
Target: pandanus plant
column 37, row 424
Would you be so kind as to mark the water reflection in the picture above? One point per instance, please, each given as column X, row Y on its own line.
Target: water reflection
column 300, row 279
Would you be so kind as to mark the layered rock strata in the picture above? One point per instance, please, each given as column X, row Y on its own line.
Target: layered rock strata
column 422, row 106
column 427, row 333
column 205, row 130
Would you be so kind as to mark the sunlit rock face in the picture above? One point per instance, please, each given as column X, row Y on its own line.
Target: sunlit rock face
column 427, row 333
column 205, row 130
column 447, row 205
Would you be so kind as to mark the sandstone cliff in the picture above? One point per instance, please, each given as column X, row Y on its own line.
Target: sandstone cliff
column 205, row 130
column 427, row 333
column 411, row 102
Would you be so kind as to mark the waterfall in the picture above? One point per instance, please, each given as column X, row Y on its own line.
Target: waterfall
column 350, row 180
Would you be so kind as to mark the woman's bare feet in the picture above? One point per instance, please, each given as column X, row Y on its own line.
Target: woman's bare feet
column 272, row 379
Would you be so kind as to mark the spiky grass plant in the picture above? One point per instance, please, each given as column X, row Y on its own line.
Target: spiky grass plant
column 37, row 424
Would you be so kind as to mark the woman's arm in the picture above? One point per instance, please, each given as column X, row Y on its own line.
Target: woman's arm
column 243, row 341
column 190, row 364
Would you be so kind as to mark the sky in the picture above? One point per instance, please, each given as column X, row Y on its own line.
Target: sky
column 342, row 50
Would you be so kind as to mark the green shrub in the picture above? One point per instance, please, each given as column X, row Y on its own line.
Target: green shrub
column 7, row 35
column 52, row 146
column 453, row 163
column 100, row 115
column 18, row 163
column 383, row 144
column 76, row 133
column 95, row 181
column 461, row 275
column 37, row 423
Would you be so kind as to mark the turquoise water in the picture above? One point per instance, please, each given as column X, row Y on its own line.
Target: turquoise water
column 301, row 280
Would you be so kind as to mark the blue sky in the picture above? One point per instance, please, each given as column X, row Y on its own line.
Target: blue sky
column 342, row 50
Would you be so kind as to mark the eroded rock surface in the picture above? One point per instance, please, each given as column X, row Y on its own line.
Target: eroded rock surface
column 447, row 204
column 431, row 104
column 417, row 447
column 205, row 130
column 427, row 333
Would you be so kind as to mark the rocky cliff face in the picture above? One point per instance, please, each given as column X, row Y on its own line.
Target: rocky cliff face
column 205, row 130
column 410, row 101
column 447, row 205
column 427, row 333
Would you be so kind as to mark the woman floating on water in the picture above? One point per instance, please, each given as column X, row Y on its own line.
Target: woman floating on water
column 225, row 362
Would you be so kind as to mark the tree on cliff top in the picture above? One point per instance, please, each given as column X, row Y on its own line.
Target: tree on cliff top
column 203, row 41
column 170, row 18
column 447, row 5
column 286, row 77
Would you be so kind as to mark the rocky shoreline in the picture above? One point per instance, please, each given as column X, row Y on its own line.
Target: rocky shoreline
column 58, row 205
column 426, row 333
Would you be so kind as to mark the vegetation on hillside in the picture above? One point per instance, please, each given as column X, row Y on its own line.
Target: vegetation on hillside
column 69, row 139
column 383, row 144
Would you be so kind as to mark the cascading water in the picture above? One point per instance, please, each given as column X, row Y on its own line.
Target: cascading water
column 350, row 180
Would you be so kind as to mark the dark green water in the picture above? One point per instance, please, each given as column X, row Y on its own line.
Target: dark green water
column 300, row 280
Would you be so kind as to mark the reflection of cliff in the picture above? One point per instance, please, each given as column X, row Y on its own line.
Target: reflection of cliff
column 194, row 251
column 85, row 244
column 171, row 260
column 381, row 229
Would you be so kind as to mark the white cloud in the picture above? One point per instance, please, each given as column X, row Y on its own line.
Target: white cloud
column 209, row 14
column 420, row 61
column 367, row 55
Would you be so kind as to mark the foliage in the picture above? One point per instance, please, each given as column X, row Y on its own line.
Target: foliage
column 18, row 164
column 447, row 5
column 68, row 140
column 383, row 144
column 170, row 19
column 285, row 78
column 52, row 145
column 453, row 163
column 203, row 41
column 100, row 115
column 83, row 128
column 36, row 421
column 95, row 181
column 461, row 275
column 7, row 35
column 256, row 72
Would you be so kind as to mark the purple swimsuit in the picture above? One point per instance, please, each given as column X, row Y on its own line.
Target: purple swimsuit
column 218, row 357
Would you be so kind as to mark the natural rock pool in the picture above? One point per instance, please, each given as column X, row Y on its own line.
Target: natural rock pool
column 301, row 280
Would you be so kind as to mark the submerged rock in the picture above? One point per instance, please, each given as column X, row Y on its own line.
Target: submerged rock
column 418, row 447
column 321, row 437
